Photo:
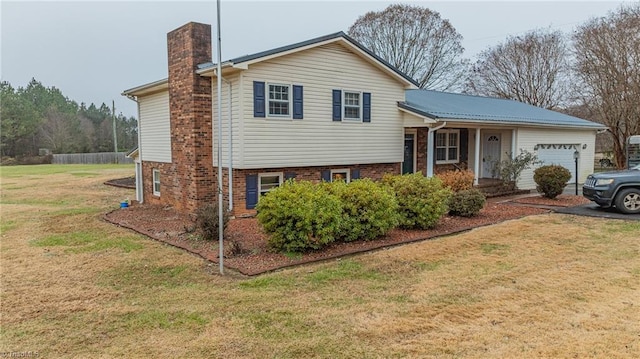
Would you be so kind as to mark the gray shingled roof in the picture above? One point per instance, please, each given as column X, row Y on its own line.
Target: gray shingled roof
column 467, row 108
column 340, row 34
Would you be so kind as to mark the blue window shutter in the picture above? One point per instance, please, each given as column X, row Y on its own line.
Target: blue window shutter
column 258, row 99
column 297, row 102
column 326, row 175
column 289, row 175
column 366, row 107
column 355, row 174
column 252, row 191
column 337, row 105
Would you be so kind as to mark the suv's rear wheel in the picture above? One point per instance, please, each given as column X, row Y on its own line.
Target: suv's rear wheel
column 628, row 201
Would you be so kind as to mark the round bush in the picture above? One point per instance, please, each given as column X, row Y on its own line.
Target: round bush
column 467, row 203
column 457, row 180
column 422, row 201
column 369, row 209
column 300, row 216
column 551, row 180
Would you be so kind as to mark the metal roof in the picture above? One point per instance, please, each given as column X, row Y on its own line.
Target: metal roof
column 467, row 108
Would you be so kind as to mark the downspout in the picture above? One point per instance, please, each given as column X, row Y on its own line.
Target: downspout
column 230, row 165
column 430, row 154
column 141, row 194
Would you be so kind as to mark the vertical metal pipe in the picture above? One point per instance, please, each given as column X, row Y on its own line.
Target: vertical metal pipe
column 220, row 199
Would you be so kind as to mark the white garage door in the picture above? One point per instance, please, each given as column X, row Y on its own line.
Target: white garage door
column 558, row 155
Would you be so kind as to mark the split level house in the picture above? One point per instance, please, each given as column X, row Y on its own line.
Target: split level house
column 322, row 109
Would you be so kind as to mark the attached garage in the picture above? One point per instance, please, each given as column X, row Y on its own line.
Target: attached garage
column 559, row 154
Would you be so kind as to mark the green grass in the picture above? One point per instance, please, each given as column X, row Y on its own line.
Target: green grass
column 147, row 320
column 494, row 248
column 82, row 242
column 6, row 225
column 345, row 270
column 44, row 170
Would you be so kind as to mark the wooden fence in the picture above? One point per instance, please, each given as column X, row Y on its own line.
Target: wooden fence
column 91, row 158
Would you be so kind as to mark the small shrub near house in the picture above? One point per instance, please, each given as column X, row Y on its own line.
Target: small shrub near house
column 457, row 180
column 510, row 169
column 300, row 216
column 207, row 221
column 370, row 210
column 422, row 201
column 551, row 180
column 466, row 203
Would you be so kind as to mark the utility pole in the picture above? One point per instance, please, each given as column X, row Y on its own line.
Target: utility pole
column 115, row 136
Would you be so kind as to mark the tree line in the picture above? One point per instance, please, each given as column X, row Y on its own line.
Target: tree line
column 593, row 73
column 35, row 118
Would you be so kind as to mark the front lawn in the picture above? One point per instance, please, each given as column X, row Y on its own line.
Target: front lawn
column 549, row 285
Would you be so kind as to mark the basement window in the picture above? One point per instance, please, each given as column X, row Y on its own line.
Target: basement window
column 156, row 182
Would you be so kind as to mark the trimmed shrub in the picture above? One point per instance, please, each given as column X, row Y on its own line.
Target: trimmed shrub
column 551, row 180
column 467, row 203
column 207, row 221
column 300, row 216
column 422, row 201
column 369, row 209
column 457, row 180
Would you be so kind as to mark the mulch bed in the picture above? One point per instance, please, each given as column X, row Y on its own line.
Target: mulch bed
column 127, row 182
column 246, row 249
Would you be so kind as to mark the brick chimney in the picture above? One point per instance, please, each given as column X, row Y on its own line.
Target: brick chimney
column 192, row 180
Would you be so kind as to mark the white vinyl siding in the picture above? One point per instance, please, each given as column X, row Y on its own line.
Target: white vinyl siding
column 317, row 140
column 155, row 132
column 529, row 138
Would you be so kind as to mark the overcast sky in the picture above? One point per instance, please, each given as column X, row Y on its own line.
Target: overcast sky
column 93, row 50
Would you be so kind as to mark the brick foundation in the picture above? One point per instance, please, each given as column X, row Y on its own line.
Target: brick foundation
column 314, row 174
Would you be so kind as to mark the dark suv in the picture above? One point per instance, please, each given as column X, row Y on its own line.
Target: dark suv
column 619, row 188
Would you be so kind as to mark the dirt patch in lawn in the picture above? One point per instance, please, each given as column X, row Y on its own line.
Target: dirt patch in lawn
column 246, row 248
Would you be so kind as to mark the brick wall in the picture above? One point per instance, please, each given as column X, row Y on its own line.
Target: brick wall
column 191, row 178
column 314, row 174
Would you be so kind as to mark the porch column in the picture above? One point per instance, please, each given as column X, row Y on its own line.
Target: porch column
column 476, row 167
column 430, row 154
column 514, row 145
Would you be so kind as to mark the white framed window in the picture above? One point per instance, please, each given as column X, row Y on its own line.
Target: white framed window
column 447, row 146
column 279, row 100
column 343, row 174
column 156, row 182
column 269, row 181
column 352, row 105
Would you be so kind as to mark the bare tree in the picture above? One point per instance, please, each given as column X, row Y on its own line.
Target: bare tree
column 607, row 53
column 415, row 40
column 531, row 68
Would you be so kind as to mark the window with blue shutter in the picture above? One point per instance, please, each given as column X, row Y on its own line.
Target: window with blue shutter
column 289, row 175
column 258, row 99
column 337, row 105
column 366, row 107
column 355, row 174
column 326, row 175
column 252, row 191
column 297, row 102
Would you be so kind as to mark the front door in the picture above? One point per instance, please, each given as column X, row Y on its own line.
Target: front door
column 408, row 164
column 490, row 154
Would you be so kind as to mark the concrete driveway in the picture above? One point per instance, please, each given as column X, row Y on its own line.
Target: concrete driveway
column 592, row 210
